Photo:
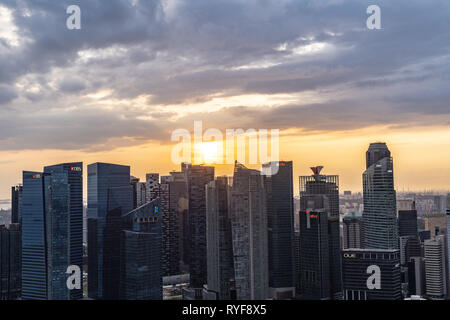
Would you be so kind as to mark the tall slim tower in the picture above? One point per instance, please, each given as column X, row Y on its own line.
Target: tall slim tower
column 198, row 177
column 435, row 268
column 380, row 212
column 280, row 223
column 328, row 186
column 16, row 195
column 219, row 239
column 249, row 231
column 110, row 196
column 52, row 231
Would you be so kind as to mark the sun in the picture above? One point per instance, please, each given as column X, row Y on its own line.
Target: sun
column 210, row 151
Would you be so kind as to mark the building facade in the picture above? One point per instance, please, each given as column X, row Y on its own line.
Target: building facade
column 360, row 266
column 380, row 213
column 280, row 223
column 249, row 232
column 317, row 186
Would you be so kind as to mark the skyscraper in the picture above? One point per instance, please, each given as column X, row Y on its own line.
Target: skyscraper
column 10, row 262
column 110, row 196
column 380, row 213
column 219, row 239
column 198, row 177
column 407, row 219
column 435, row 267
column 74, row 172
column 315, row 275
column 52, row 217
column 280, row 223
column 152, row 186
column 140, row 253
column 352, row 227
column 328, row 186
column 249, row 231
column 360, row 264
column 16, row 195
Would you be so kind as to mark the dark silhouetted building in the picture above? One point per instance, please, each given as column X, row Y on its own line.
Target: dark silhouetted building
column 315, row 276
column 356, row 273
column 10, row 262
column 352, row 230
column 16, row 195
column 219, row 240
column 407, row 220
column 316, row 187
column 280, row 223
column 198, row 177
column 140, row 253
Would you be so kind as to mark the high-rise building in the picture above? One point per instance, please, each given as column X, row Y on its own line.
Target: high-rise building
column 319, row 185
column 360, row 264
column 134, row 184
column 52, row 231
column 219, row 240
column 179, row 207
column 152, row 186
column 448, row 239
column 380, row 213
column 198, row 177
column 280, row 223
column 16, row 195
column 110, row 196
column 407, row 219
column 10, row 262
column 140, row 253
column 141, row 194
column 249, row 232
column 416, row 276
column 435, row 267
column 315, row 275
column 352, row 230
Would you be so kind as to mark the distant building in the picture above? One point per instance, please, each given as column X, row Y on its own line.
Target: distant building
column 352, row 230
column 435, row 267
column 356, row 273
column 315, row 276
column 16, row 195
column 416, row 276
column 10, row 262
column 380, row 213
column 435, row 222
column 407, row 219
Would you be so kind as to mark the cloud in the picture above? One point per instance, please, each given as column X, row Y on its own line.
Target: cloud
column 138, row 69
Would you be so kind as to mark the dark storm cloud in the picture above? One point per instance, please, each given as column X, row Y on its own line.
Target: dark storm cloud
column 175, row 52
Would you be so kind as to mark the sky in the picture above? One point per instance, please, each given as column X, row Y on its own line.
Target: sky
column 137, row 70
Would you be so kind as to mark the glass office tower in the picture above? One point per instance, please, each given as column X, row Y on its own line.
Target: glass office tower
column 52, row 220
column 280, row 223
column 380, row 207
column 140, row 253
column 328, row 186
column 110, row 196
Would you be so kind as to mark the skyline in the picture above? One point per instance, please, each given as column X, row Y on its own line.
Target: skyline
column 222, row 170
column 116, row 89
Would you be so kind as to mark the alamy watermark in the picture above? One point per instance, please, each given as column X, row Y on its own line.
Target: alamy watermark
column 214, row 146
